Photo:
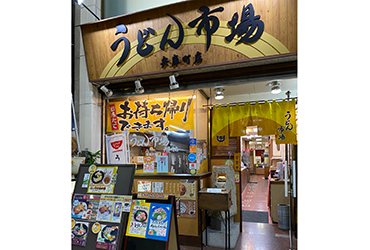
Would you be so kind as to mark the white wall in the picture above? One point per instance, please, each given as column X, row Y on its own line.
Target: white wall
column 113, row 8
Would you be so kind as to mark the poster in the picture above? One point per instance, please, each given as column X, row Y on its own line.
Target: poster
column 159, row 221
column 187, row 208
column 144, row 186
column 102, row 180
column 138, row 219
column 188, row 189
column 85, row 206
column 157, row 187
column 110, row 208
column 117, row 148
column 148, row 166
column 107, row 237
column 162, row 164
column 79, row 233
column 170, row 114
column 127, row 203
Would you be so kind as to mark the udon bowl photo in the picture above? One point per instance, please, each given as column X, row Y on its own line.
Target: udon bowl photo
column 140, row 215
column 159, row 214
column 79, row 230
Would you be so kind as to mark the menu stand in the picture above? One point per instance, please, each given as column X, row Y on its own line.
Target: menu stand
column 218, row 200
column 134, row 243
column 85, row 189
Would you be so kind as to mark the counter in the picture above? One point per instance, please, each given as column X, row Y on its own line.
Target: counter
column 277, row 196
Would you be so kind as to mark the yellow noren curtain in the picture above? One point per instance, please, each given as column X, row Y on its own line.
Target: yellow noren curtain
column 274, row 118
column 220, row 126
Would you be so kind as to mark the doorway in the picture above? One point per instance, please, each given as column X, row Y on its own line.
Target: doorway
column 255, row 161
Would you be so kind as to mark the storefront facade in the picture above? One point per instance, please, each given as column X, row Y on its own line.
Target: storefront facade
column 200, row 45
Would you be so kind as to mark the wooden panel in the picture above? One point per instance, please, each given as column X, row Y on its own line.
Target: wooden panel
column 277, row 196
column 279, row 17
column 224, row 150
column 215, row 201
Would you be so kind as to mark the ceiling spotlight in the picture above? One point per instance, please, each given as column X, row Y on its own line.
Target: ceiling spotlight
column 173, row 83
column 138, row 88
column 275, row 87
column 219, row 94
column 106, row 91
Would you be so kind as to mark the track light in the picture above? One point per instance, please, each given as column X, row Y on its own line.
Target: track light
column 138, row 88
column 106, row 91
column 173, row 83
column 219, row 94
column 275, row 87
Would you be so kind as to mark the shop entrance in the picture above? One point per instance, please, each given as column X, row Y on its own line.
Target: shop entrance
column 259, row 154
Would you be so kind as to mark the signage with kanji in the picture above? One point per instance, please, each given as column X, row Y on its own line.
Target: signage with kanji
column 197, row 35
column 151, row 115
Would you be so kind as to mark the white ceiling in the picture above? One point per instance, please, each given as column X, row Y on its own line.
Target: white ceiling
column 253, row 92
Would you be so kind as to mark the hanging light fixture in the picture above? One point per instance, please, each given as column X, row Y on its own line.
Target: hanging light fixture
column 173, row 83
column 275, row 87
column 106, row 91
column 219, row 94
column 138, row 88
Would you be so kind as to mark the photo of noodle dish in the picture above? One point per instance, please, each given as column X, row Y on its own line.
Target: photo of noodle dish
column 79, row 230
column 109, row 233
column 159, row 214
column 97, row 176
column 140, row 215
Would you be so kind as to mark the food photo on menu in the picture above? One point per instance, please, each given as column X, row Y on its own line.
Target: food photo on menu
column 101, row 180
column 79, row 233
column 138, row 219
column 107, row 237
column 159, row 221
column 105, row 210
column 85, row 206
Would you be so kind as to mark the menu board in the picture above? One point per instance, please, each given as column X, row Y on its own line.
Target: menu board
column 159, row 221
column 79, row 233
column 107, row 237
column 148, row 166
column 188, row 189
column 102, row 179
column 162, row 164
column 149, row 220
column 85, row 206
column 138, row 218
column 100, row 206
column 110, row 208
column 187, row 208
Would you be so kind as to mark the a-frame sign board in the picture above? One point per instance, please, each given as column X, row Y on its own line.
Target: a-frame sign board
column 97, row 204
column 135, row 243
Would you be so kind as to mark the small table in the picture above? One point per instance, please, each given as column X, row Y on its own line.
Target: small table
column 215, row 199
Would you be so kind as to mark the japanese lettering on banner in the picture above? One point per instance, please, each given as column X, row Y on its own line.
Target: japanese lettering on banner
column 171, row 114
column 276, row 118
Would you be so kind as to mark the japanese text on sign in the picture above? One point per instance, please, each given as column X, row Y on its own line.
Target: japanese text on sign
column 151, row 115
column 250, row 29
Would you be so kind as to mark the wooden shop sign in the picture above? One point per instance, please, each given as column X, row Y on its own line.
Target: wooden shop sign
column 202, row 34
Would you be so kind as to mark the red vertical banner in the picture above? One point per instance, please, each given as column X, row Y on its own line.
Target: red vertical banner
column 113, row 117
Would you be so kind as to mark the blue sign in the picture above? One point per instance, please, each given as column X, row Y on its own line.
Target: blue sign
column 192, row 157
column 193, row 142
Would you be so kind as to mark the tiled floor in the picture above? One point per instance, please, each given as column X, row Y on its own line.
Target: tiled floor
column 255, row 195
column 257, row 236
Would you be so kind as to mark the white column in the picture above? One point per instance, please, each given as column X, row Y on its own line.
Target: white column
column 87, row 97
